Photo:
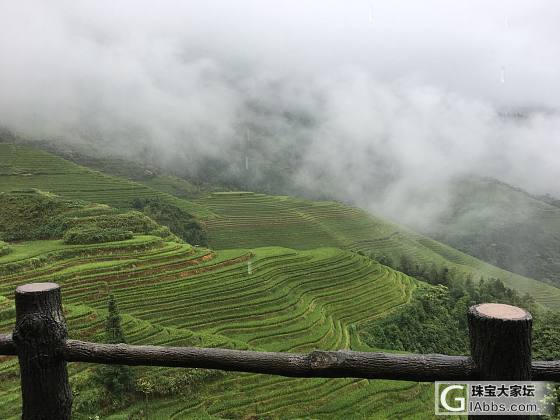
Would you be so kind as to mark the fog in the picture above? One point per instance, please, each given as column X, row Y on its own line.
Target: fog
column 380, row 103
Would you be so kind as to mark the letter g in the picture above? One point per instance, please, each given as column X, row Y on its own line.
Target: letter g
column 443, row 398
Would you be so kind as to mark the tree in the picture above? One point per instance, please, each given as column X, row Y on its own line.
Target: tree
column 114, row 333
column 406, row 265
column 180, row 222
column 116, row 379
column 385, row 260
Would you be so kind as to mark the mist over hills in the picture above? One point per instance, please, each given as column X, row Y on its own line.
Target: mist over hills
column 483, row 217
column 278, row 176
column 380, row 105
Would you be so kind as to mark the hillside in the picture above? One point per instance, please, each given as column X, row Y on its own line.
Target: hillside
column 34, row 214
column 23, row 167
column 249, row 220
column 488, row 219
column 237, row 219
column 280, row 273
column 291, row 301
column 504, row 226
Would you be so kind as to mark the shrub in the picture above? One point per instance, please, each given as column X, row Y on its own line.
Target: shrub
column 134, row 221
column 22, row 213
column 95, row 235
column 38, row 215
column 180, row 222
column 4, row 249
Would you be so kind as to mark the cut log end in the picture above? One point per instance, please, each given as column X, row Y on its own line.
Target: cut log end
column 501, row 311
column 36, row 288
column 39, row 335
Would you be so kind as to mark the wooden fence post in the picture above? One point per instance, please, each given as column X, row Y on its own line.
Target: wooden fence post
column 40, row 334
column 500, row 339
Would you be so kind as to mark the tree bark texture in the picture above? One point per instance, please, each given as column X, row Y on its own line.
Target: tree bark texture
column 500, row 338
column 40, row 334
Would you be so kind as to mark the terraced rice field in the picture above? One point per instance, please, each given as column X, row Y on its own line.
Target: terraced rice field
column 23, row 167
column 253, row 220
column 250, row 220
column 307, row 289
column 294, row 300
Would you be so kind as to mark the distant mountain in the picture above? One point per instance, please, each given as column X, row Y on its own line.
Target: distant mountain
column 504, row 226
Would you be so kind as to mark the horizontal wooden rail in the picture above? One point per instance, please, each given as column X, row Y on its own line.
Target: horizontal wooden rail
column 324, row 364
column 7, row 345
column 546, row 371
column 320, row 364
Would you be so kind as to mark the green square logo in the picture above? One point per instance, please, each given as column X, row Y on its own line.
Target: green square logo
column 451, row 399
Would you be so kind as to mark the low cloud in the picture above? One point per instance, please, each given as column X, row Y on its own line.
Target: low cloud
column 379, row 103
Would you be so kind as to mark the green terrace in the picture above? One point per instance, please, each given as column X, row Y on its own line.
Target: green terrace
column 279, row 274
column 23, row 167
column 253, row 220
column 174, row 294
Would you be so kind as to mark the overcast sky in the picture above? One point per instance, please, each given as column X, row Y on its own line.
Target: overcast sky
column 412, row 85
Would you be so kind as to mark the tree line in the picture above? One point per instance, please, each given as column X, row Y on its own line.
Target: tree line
column 435, row 321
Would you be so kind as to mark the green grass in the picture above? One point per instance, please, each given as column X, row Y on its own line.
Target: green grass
column 25, row 250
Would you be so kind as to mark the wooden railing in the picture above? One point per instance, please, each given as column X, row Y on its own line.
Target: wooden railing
column 500, row 338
